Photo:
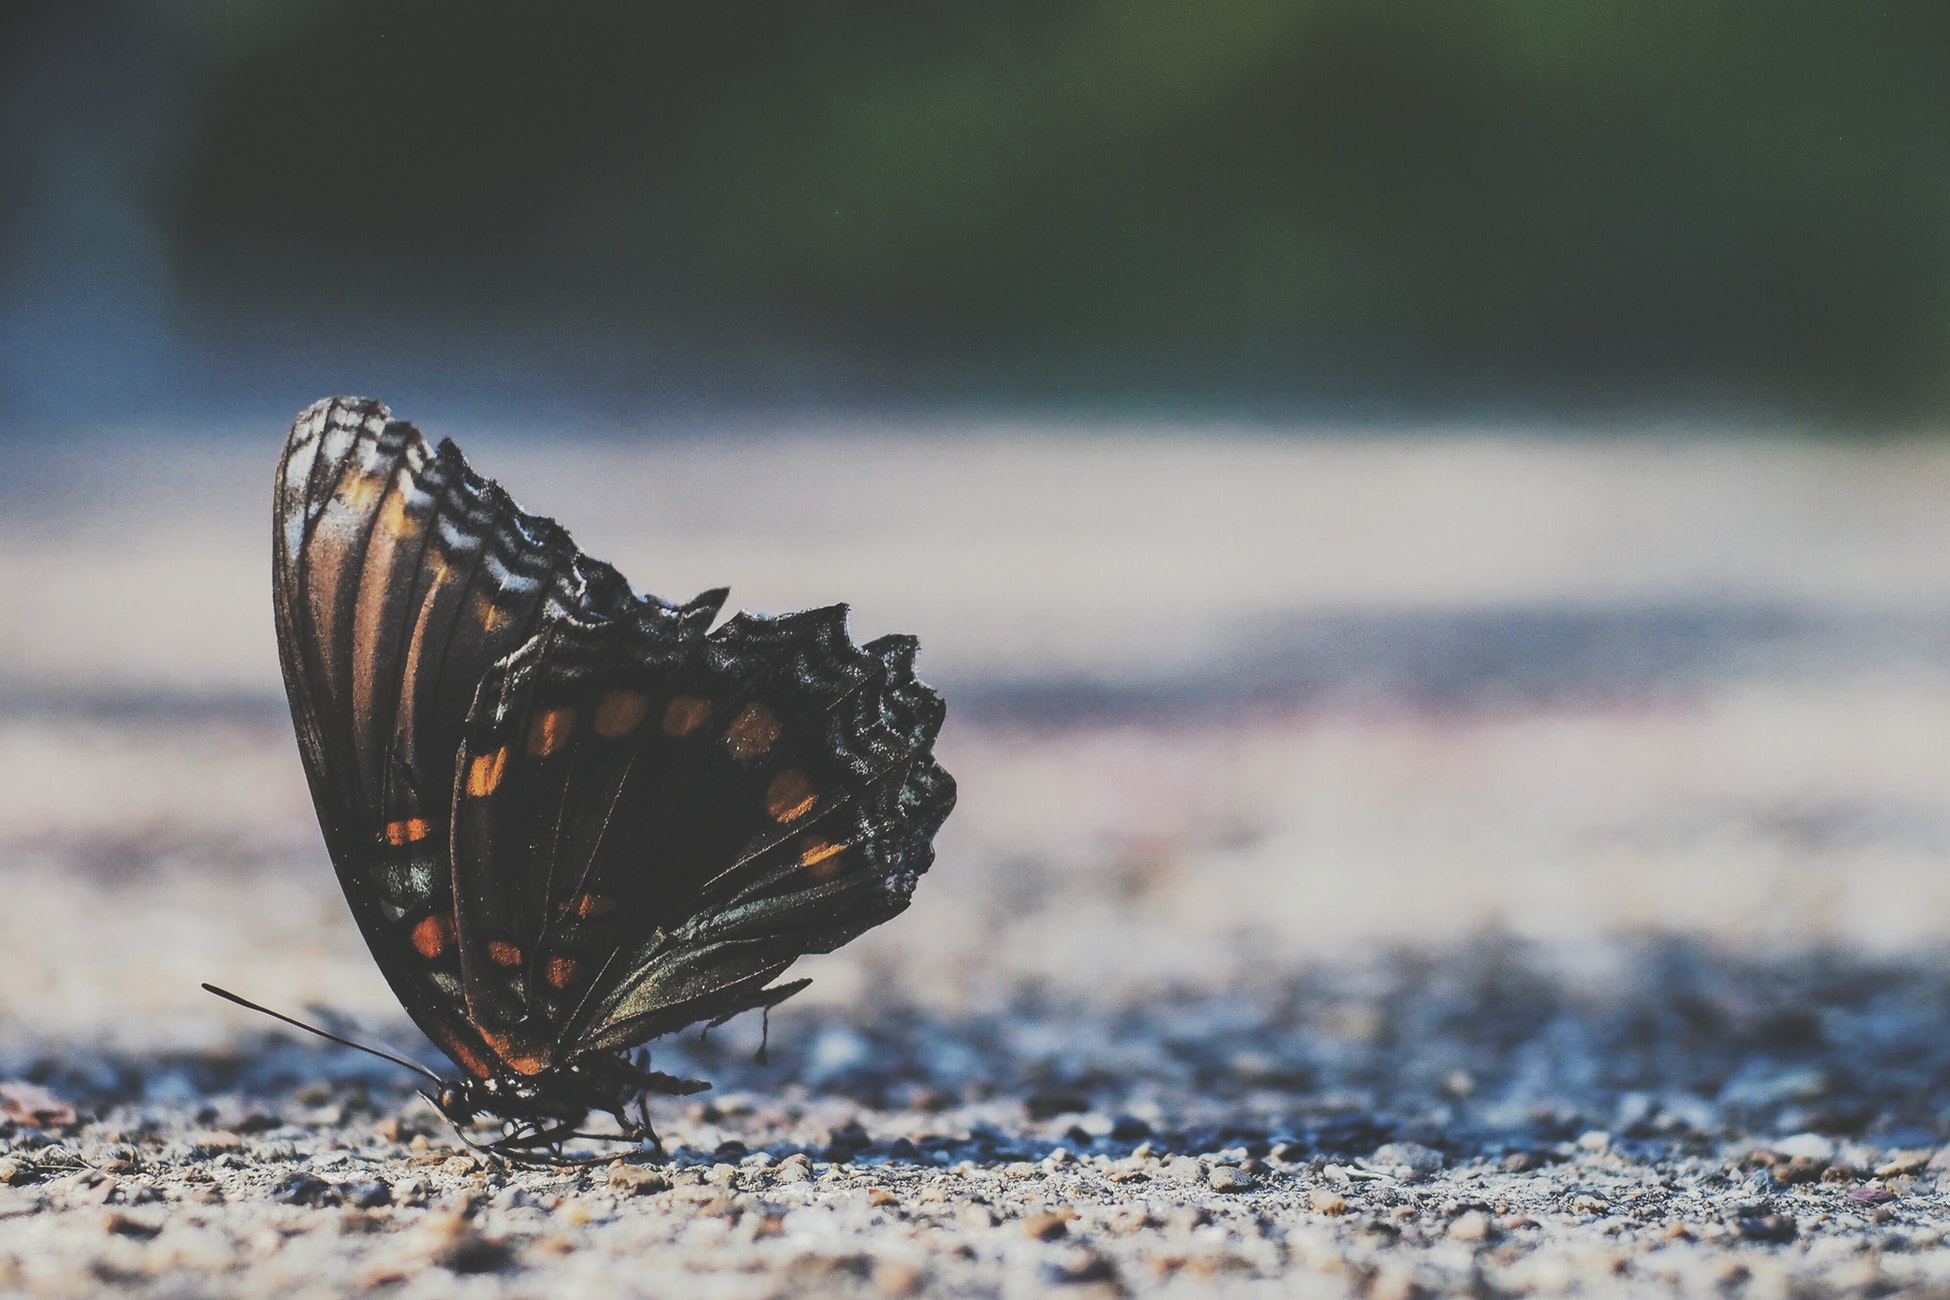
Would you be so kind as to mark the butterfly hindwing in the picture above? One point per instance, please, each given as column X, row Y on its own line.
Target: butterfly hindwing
column 642, row 782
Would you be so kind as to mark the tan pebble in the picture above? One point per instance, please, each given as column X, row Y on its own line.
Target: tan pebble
column 555, row 1244
column 12, row 1171
column 637, row 1180
column 1903, row 1162
column 896, row 1278
column 1048, row 1226
column 459, row 1165
column 1471, row 1225
column 388, row 1129
column 123, row 1225
column 880, row 1196
column 455, row 1245
column 419, row 1143
column 1327, row 1201
column 791, row 1173
column 1395, row 1284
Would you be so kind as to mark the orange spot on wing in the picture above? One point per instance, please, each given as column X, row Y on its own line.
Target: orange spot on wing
column 432, row 936
column 752, row 732
column 394, row 519
column 362, row 491
column 409, row 831
column 685, row 714
column 550, row 731
column 503, row 953
column 790, row 796
column 620, row 713
column 591, row 906
column 820, row 858
column 484, row 773
column 521, row 1054
column 562, row 972
column 489, row 615
column 463, row 1052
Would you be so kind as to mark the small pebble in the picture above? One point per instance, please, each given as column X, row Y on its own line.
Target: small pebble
column 303, row 1189
column 369, row 1194
column 1770, row 1227
column 1411, row 1159
column 1080, row 1266
column 123, row 1225
column 1225, row 1178
column 896, row 1278
column 458, row 1248
column 1327, row 1201
column 637, row 1180
column 1047, row 1226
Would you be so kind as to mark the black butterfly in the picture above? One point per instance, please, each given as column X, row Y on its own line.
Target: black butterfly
column 568, row 818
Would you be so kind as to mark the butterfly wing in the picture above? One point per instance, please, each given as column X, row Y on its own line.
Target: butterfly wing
column 652, row 822
column 398, row 577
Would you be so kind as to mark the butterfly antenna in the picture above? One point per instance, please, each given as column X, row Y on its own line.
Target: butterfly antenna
column 414, row 1066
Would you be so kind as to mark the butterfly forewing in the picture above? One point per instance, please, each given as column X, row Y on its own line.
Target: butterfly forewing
column 398, row 578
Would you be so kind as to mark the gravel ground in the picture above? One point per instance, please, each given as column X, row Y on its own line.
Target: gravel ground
column 1468, row 1120
column 1564, row 915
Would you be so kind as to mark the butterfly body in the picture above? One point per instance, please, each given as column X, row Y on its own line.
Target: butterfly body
column 569, row 819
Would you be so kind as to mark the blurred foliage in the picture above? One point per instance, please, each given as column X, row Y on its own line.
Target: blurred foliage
column 1508, row 204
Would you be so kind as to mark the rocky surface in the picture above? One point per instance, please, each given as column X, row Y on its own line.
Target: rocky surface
column 1492, row 866
column 1443, row 1122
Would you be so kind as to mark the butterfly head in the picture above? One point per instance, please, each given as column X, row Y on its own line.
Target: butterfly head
column 455, row 1102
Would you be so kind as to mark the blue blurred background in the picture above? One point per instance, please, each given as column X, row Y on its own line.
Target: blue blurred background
column 1258, row 208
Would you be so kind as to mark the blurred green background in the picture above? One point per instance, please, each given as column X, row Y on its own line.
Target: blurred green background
column 1371, row 211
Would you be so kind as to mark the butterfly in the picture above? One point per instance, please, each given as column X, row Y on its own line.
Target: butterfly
column 569, row 819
